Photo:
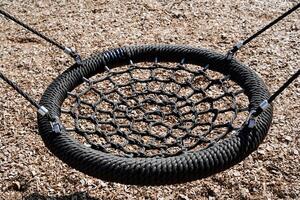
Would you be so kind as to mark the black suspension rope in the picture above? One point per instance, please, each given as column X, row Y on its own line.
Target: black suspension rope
column 285, row 85
column 41, row 109
column 263, row 105
column 19, row 90
column 55, row 123
column 67, row 50
column 249, row 39
column 276, row 93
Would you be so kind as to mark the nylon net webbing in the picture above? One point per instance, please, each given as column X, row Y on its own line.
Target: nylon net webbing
column 154, row 109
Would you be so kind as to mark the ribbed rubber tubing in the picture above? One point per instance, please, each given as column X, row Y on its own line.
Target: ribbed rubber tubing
column 155, row 171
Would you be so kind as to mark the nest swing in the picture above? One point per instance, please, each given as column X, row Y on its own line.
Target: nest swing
column 154, row 114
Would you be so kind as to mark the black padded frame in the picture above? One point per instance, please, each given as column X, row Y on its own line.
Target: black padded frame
column 155, row 171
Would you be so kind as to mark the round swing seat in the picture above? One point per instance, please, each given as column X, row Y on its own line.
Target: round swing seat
column 154, row 115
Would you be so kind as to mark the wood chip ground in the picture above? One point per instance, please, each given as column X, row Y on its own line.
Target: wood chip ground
column 29, row 171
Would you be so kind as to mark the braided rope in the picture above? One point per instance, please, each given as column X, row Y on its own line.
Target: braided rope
column 160, row 167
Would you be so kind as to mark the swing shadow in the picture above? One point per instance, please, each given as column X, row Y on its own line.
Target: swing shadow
column 74, row 196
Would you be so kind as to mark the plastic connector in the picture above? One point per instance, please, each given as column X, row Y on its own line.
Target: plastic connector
column 251, row 123
column 251, row 120
column 56, row 126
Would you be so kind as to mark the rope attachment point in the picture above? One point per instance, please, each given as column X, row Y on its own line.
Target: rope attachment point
column 56, row 125
column 43, row 111
column 234, row 49
column 54, row 121
column 67, row 50
column 73, row 54
column 253, row 114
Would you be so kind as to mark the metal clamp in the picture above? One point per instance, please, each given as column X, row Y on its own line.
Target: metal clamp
column 73, row 54
column 251, row 119
column 235, row 48
column 43, row 111
column 264, row 104
column 238, row 45
column 56, row 125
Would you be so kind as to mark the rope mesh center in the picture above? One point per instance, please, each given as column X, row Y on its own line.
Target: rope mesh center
column 154, row 109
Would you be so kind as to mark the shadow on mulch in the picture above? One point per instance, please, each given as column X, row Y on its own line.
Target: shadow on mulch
column 74, row 196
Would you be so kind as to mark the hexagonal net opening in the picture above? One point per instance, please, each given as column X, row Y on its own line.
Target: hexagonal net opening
column 154, row 109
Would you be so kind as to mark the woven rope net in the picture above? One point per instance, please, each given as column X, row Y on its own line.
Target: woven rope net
column 154, row 109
